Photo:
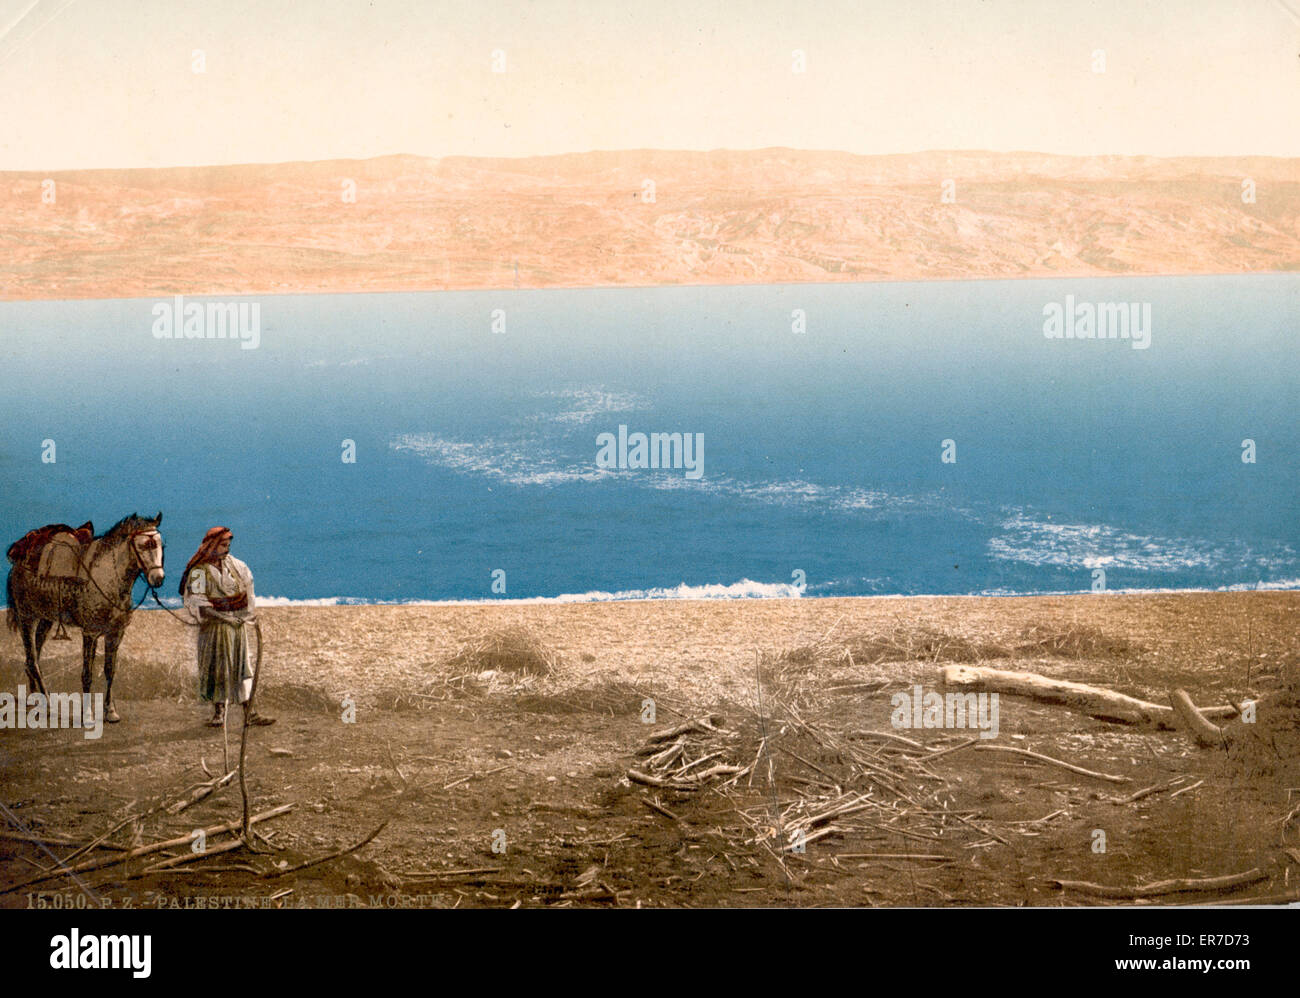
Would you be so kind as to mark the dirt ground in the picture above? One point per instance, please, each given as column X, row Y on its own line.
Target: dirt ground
column 500, row 787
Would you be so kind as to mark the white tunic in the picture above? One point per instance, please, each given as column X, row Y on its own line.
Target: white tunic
column 224, row 669
column 227, row 578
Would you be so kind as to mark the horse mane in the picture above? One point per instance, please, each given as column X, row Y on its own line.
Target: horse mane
column 126, row 526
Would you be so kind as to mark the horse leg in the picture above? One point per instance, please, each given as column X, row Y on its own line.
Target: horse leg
column 88, row 642
column 33, row 658
column 42, row 629
column 111, row 640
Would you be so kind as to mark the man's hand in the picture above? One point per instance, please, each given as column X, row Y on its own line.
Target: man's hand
column 225, row 618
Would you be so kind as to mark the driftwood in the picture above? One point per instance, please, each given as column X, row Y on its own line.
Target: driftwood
column 1187, row 789
column 1103, row 704
column 1260, row 899
column 662, row 759
column 193, row 857
column 1158, row 788
column 59, row 840
column 647, row 780
column 202, row 792
column 1037, row 757
column 893, row 855
column 654, row 805
column 886, row 736
column 336, row 854
column 1229, row 882
column 1205, row 733
column 952, row 748
column 707, row 724
column 183, row 840
column 718, row 770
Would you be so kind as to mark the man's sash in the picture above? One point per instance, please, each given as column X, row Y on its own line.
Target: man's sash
column 229, row 604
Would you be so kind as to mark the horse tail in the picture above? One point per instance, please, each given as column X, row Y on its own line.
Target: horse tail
column 11, row 614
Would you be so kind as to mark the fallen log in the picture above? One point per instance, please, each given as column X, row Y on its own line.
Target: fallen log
column 645, row 779
column 1229, row 882
column 1106, row 705
column 1205, row 733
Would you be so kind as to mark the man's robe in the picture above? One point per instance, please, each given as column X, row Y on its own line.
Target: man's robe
column 225, row 674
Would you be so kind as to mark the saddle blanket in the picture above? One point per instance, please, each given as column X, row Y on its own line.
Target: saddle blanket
column 53, row 550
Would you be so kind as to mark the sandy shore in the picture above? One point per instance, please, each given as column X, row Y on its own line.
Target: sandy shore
column 702, row 648
column 450, row 763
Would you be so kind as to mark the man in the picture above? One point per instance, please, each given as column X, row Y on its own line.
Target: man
column 218, row 590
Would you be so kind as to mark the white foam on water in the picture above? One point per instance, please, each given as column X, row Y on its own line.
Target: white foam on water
column 744, row 589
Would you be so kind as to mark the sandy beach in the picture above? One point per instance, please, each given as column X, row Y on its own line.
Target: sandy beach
column 460, row 760
column 704, row 649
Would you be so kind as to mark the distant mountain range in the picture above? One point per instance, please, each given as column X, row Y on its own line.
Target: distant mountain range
column 639, row 217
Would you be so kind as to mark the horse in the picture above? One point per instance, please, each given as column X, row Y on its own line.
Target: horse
column 97, row 598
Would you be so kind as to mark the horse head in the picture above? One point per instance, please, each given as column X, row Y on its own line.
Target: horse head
column 147, row 545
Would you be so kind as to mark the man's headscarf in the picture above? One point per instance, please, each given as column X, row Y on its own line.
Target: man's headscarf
column 207, row 551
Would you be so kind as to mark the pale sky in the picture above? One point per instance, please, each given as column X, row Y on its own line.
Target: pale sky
column 109, row 83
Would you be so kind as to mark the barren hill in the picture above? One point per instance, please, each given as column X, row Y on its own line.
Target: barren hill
column 638, row 217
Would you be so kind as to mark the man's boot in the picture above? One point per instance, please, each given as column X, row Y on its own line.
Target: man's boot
column 218, row 717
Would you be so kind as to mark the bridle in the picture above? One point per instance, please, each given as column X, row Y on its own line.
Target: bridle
column 143, row 570
column 139, row 558
column 140, row 567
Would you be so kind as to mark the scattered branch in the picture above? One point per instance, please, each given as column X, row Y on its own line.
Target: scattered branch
column 325, row 859
column 1163, row 887
column 1038, row 757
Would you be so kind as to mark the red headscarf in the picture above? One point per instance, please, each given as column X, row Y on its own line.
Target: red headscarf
column 206, row 552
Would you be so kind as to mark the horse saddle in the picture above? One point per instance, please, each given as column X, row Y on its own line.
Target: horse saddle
column 54, row 550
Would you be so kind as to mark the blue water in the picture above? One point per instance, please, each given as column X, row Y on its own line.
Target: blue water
column 476, row 451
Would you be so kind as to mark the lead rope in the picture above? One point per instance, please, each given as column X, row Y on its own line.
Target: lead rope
column 187, row 623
